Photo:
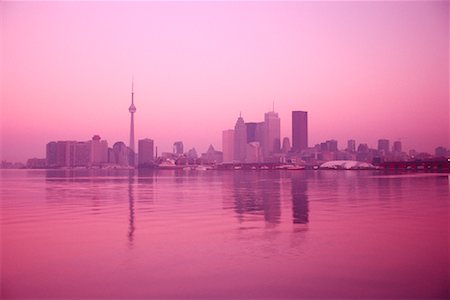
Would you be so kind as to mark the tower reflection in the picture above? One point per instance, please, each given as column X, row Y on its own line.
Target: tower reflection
column 300, row 203
column 257, row 193
column 131, row 226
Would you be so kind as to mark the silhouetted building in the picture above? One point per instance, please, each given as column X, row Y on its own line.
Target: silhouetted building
column 212, row 156
column 36, row 163
column 286, row 145
column 80, row 154
column 383, row 146
column 240, row 140
column 251, row 132
column 121, row 154
column 228, row 145
column 99, row 151
column 271, row 144
column 397, row 147
column 253, row 153
column 50, row 151
column 299, row 130
column 145, row 154
column 351, row 146
column 192, row 156
column 178, row 148
column 441, row 152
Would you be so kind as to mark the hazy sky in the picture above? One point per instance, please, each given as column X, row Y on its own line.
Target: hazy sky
column 362, row 70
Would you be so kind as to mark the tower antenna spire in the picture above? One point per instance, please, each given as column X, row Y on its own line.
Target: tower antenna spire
column 273, row 106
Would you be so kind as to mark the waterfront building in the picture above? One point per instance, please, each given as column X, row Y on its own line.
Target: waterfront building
column 50, row 154
column 299, row 130
column 251, row 131
column 383, row 146
column 253, row 153
column 178, row 148
column 132, row 110
column 36, row 163
column 228, row 145
column 272, row 140
column 145, row 152
column 240, row 140
column 121, row 154
column 192, row 156
column 80, row 154
column 63, row 153
column 98, row 151
column 397, row 147
column 351, row 146
column 212, row 156
column 286, row 145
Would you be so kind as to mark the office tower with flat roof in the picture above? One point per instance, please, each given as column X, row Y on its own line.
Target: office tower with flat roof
column 178, row 148
column 121, row 154
column 299, row 130
column 228, row 145
column 351, row 146
column 397, row 147
column 383, row 145
column 50, row 156
column 99, row 151
column 286, row 145
column 145, row 152
column 251, row 131
column 240, row 140
column 80, row 154
column 272, row 140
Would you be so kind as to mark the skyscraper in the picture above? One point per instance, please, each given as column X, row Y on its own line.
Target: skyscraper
column 145, row 152
column 228, row 145
column 272, row 140
column 99, row 151
column 240, row 140
column 178, row 148
column 351, row 146
column 383, row 145
column 299, row 130
column 132, row 110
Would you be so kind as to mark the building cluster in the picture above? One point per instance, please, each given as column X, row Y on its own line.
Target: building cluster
column 247, row 142
column 260, row 142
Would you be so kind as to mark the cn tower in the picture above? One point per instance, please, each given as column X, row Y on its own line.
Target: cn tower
column 132, row 110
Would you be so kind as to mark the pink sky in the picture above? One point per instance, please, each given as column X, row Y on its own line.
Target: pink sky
column 362, row 70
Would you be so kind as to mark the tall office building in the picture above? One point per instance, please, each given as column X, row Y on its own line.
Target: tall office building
column 397, row 146
column 299, row 130
column 99, row 151
column 383, row 145
column 132, row 110
column 251, row 132
column 286, row 145
column 271, row 144
column 145, row 152
column 240, row 140
column 228, row 145
column 50, row 156
column 121, row 154
column 351, row 146
column 178, row 148
column 80, row 154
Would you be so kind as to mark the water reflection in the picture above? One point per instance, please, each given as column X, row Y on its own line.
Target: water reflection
column 131, row 227
column 256, row 193
column 300, row 205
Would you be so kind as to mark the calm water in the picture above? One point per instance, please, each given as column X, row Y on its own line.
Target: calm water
column 229, row 234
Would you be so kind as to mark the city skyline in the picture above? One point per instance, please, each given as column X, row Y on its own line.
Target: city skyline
column 357, row 78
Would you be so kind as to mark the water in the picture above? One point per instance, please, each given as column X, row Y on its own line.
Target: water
column 224, row 234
